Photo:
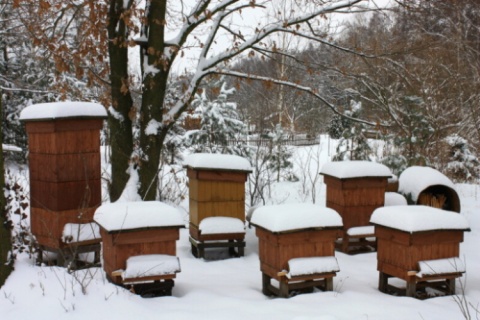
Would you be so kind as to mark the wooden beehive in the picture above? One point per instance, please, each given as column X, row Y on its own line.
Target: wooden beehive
column 399, row 252
column 355, row 198
column 216, row 186
column 275, row 249
column 355, row 189
column 136, row 228
column 427, row 186
column 118, row 246
column 407, row 235
column 216, row 193
column 64, row 163
column 294, row 231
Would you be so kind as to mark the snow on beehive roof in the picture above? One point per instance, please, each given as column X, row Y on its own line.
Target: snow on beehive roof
column 418, row 218
column 416, row 179
column 394, row 199
column 295, row 216
column 137, row 215
column 55, row 110
column 217, row 161
column 355, row 169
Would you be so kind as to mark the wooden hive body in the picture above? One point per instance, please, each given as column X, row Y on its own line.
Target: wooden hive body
column 399, row 252
column 118, row 246
column 355, row 199
column 276, row 249
column 216, row 193
column 65, row 176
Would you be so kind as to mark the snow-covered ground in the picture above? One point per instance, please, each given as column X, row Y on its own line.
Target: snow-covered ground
column 231, row 288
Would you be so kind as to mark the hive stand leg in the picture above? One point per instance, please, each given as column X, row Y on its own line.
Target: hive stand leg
column 283, row 290
column 201, row 250
column 383, row 282
column 411, row 288
column 328, row 284
column 61, row 259
column 345, row 243
column 241, row 248
column 231, row 249
column 451, row 286
column 96, row 257
column 194, row 251
column 39, row 261
column 265, row 284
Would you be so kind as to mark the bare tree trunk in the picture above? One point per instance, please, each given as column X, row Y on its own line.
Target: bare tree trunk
column 5, row 235
column 152, row 129
column 119, row 122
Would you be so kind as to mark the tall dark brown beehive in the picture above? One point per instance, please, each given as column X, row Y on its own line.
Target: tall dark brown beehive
column 64, row 162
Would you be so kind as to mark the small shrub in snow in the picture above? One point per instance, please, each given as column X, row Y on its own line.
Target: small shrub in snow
column 17, row 219
column 462, row 164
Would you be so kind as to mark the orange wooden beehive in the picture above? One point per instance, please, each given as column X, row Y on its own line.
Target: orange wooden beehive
column 355, row 189
column 64, row 162
column 136, row 228
column 408, row 235
column 275, row 249
column 290, row 231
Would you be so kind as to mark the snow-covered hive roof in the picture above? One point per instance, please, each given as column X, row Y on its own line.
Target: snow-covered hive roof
column 355, row 169
column 119, row 216
column 394, row 199
column 213, row 161
column 416, row 180
column 418, row 218
column 295, row 216
column 60, row 110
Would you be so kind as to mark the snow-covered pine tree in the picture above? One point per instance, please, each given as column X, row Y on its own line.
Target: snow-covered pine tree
column 221, row 129
column 337, row 125
column 410, row 142
column 463, row 164
column 280, row 156
column 353, row 144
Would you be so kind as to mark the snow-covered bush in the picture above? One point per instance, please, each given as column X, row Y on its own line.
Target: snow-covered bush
column 462, row 163
column 17, row 211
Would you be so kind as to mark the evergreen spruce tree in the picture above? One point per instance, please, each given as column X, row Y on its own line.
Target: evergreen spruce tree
column 337, row 125
column 353, row 144
column 221, row 129
column 280, row 156
column 411, row 140
column 462, row 163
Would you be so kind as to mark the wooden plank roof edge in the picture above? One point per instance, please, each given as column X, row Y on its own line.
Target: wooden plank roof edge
column 352, row 178
column 298, row 230
column 217, row 169
column 142, row 228
column 380, row 225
